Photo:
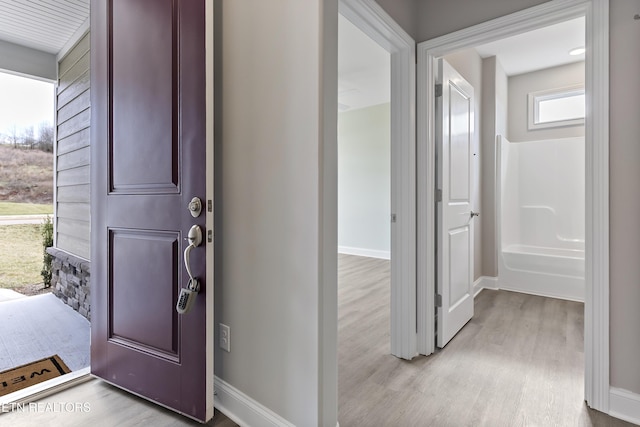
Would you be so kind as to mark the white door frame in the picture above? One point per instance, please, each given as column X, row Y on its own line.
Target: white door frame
column 597, row 172
column 371, row 19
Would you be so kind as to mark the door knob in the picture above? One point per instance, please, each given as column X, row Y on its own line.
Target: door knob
column 188, row 295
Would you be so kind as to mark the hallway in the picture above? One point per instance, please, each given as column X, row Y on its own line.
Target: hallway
column 519, row 361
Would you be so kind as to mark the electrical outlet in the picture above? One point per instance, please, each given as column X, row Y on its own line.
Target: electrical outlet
column 225, row 337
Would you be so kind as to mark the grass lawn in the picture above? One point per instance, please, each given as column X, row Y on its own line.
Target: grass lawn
column 10, row 208
column 20, row 255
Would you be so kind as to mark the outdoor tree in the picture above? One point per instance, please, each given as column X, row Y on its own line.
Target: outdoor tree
column 45, row 137
column 13, row 137
column 28, row 137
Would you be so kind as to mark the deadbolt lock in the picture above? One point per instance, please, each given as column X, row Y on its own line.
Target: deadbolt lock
column 195, row 207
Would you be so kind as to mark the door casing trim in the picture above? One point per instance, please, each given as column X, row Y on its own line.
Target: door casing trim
column 209, row 246
column 597, row 172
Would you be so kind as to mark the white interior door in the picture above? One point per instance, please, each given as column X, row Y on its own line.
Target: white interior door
column 454, row 215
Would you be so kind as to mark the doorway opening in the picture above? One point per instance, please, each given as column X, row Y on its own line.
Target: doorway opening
column 527, row 178
column 39, row 331
column 596, row 168
column 364, row 205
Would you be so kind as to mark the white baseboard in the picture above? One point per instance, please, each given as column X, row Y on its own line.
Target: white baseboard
column 624, row 404
column 541, row 294
column 242, row 409
column 485, row 282
column 371, row 253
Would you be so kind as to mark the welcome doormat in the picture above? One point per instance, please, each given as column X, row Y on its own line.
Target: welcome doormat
column 24, row 376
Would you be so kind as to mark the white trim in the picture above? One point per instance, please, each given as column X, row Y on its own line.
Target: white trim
column 371, row 253
column 54, row 217
column 74, row 39
column 597, row 171
column 625, row 405
column 596, row 317
column 242, row 409
column 530, row 291
column 369, row 17
column 209, row 190
column 484, row 282
column 47, row 388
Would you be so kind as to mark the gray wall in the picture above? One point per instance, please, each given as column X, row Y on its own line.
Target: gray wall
column 24, row 60
column 469, row 64
column 269, row 185
column 364, row 180
column 495, row 105
column 72, row 148
column 624, row 176
column 268, row 188
column 404, row 13
column 439, row 17
column 521, row 85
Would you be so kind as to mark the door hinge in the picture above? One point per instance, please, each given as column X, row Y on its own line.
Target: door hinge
column 209, row 206
column 438, row 195
column 438, row 300
column 210, row 236
column 438, row 90
column 393, row 217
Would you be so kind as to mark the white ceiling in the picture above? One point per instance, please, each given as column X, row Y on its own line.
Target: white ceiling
column 364, row 69
column 364, row 73
column 44, row 25
column 536, row 50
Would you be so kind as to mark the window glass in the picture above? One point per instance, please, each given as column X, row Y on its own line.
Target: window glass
column 555, row 108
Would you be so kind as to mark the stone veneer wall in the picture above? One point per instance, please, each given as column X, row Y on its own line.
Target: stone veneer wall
column 70, row 280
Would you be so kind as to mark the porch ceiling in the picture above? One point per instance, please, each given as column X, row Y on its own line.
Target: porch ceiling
column 45, row 25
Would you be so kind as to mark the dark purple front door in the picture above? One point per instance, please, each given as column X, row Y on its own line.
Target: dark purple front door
column 148, row 162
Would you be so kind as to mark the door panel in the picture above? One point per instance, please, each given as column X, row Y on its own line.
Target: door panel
column 142, row 66
column 148, row 161
column 151, row 329
column 459, row 145
column 455, row 222
column 459, row 271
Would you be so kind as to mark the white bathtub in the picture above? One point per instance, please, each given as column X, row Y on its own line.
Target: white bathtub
column 543, row 271
column 553, row 261
column 540, row 217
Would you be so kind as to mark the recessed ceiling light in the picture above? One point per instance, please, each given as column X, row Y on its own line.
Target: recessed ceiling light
column 577, row 51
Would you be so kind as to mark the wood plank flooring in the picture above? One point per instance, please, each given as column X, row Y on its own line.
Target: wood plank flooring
column 101, row 405
column 519, row 362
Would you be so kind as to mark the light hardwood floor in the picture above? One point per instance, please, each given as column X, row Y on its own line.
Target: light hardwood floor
column 100, row 405
column 519, row 362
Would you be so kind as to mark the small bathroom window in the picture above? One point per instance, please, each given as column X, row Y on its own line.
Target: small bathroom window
column 556, row 108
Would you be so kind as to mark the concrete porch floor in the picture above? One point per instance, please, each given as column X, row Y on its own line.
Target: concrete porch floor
column 35, row 327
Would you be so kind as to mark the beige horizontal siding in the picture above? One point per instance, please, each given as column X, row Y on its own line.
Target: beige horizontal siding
column 78, row 247
column 74, row 211
column 79, row 86
column 74, row 73
column 78, row 51
column 74, row 194
column 73, row 142
column 74, row 107
column 74, row 159
column 74, row 176
column 73, row 224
